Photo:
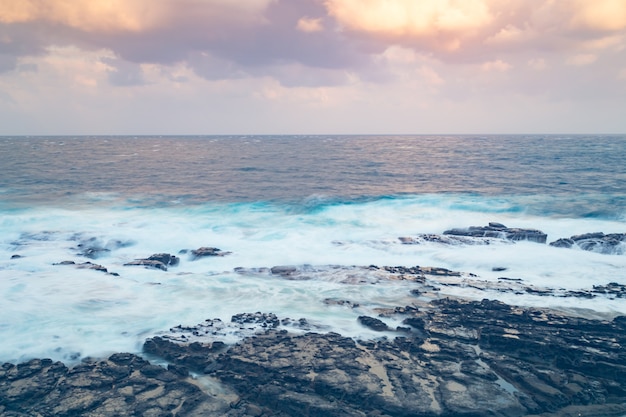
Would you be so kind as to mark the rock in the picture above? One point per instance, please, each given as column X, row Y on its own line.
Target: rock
column 148, row 263
column 85, row 265
column 207, row 251
column 124, row 384
column 165, row 258
column 265, row 320
column 157, row 261
column 373, row 323
column 460, row 358
column 338, row 302
column 611, row 244
column 284, row 270
column 497, row 230
column 16, row 256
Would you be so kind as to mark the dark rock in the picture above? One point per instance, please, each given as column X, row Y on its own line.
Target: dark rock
column 148, row 263
column 157, row 261
column 84, row 265
column 165, row 258
column 104, row 388
column 610, row 244
column 373, row 323
column 497, row 230
column 16, row 256
column 264, row 319
column 283, row 270
column 343, row 303
column 207, row 251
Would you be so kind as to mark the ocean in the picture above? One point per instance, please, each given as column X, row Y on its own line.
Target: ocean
column 329, row 205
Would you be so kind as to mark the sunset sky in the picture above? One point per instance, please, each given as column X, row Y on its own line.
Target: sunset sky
column 312, row 66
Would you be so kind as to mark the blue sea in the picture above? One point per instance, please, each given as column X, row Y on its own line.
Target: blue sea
column 327, row 205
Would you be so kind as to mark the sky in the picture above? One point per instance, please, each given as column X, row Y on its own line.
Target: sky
column 168, row 67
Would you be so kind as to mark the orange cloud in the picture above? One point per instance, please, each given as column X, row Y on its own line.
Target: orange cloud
column 607, row 15
column 124, row 15
column 399, row 18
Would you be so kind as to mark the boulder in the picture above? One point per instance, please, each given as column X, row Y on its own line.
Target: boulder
column 207, row 251
column 157, row 261
column 498, row 230
column 610, row 244
column 373, row 323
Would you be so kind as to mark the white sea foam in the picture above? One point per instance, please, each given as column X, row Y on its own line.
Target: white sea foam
column 66, row 313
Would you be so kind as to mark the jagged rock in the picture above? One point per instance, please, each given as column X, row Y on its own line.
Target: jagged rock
column 343, row 303
column 373, row 323
column 611, row 244
column 85, row 265
column 268, row 320
column 498, row 230
column 124, row 384
column 461, row 358
column 157, row 261
column 207, row 251
column 148, row 263
column 449, row 240
column 165, row 258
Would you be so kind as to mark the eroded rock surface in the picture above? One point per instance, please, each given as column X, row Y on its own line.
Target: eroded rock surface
column 498, row 230
column 455, row 358
column 157, row 261
column 122, row 385
column 611, row 244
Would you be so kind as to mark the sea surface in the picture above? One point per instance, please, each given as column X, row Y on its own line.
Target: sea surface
column 326, row 204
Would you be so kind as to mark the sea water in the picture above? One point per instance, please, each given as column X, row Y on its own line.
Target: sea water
column 327, row 204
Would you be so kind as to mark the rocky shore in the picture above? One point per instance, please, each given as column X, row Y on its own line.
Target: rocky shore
column 450, row 357
column 447, row 357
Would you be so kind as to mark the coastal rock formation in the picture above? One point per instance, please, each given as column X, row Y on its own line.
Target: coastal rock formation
column 454, row 358
column 87, row 265
column 461, row 358
column 93, row 248
column 123, row 384
column 449, row 357
column 157, row 261
column 611, row 244
column 207, row 251
column 498, row 230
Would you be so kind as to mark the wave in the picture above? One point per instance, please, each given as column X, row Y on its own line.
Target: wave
column 66, row 312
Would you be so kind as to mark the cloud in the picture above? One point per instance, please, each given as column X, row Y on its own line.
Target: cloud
column 306, row 24
column 602, row 15
column 410, row 18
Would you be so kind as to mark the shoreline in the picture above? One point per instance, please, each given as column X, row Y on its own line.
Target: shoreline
column 448, row 357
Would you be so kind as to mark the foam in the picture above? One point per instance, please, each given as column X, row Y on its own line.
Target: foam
column 65, row 313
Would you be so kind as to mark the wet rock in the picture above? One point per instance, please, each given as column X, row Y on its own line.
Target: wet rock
column 16, row 256
column 611, row 244
column 338, row 302
column 85, row 265
column 498, row 230
column 165, row 258
column 373, row 323
column 284, row 270
column 453, row 240
column 124, row 384
column 207, row 251
column 265, row 320
column 148, row 263
column 157, row 261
